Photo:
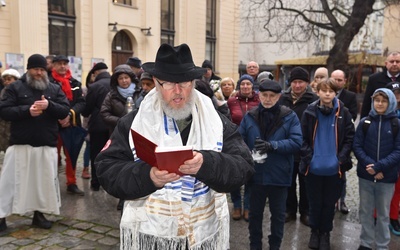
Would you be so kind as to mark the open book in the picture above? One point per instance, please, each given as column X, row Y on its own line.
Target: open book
column 164, row 158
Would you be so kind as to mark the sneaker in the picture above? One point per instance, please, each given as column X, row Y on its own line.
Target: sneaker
column 394, row 227
column 85, row 173
column 324, row 241
column 73, row 189
column 314, row 240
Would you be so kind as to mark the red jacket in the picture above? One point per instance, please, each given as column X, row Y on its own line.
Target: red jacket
column 239, row 105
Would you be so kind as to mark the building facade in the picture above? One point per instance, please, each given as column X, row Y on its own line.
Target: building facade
column 111, row 31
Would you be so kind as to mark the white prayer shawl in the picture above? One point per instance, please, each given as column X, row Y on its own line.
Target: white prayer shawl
column 29, row 181
column 185, row 214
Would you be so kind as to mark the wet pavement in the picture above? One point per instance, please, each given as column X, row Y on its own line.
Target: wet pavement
column 92, row 222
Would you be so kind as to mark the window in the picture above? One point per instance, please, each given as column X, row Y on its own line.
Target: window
column 167, row 21
column 61, row 27
column 125, row 2
column 211, row 30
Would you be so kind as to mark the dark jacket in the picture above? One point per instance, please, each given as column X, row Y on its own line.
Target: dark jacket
column 78, row 101
column 25, row 129
column 299, row 107
column 114, row 105
column 239, row 105
column 344, row 129
column 286, row 140
column 127, row 179
column 375, row 81
column 377, row 146
column 94, row 99
column 349, row 100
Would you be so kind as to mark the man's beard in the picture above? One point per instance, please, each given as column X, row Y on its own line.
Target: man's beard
column 181, row 113
column 40, row 84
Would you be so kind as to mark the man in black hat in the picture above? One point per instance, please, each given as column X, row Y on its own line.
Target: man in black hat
column 29, row 177
column 273, row 131
column 72, row 88
column 297, row 97
column 166, row 209
column 98, row 130
column 136, row 65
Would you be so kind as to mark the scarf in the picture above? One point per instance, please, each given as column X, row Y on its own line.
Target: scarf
column 175, row 217
column 295, row 97
column 126, row 92
column 65, row 85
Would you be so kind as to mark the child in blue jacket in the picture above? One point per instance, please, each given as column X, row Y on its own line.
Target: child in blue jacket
column 378, row 155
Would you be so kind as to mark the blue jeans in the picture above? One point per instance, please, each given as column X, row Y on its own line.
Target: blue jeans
column 323, row 193
column 236, row 197
column 375, row 195
column 277, row 196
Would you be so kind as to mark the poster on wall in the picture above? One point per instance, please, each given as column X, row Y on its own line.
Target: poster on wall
column 75, row 65
column 15, row 61
column 95, row 60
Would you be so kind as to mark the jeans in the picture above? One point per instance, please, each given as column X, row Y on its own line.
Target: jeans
column 375, row 195
column 343, row 194
column 292, row 201
column 86, row 154
column 277, row 206
column 236, row 197
column 323, row 193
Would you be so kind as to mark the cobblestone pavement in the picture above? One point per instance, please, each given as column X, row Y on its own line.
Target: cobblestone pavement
column 91, row 222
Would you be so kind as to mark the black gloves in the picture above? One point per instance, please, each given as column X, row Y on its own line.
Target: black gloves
column 262, row 146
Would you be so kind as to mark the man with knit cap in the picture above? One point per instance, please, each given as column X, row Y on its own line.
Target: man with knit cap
column 209, row 75
column 29, row 177
column 297, row 97
column 61, row 75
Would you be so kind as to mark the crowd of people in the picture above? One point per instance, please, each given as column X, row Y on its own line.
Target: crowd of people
column 251, row 139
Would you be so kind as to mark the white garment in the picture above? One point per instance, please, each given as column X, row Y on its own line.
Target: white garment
column 185, row 213
column 29, row 181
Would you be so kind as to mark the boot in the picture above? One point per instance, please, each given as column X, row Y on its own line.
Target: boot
column 3, row 225
column 85, row 173
column 237, row 214
column 324, row 241
column 314, row 240
column 40, row 221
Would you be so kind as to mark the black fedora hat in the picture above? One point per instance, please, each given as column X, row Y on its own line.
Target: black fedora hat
column 174, row 64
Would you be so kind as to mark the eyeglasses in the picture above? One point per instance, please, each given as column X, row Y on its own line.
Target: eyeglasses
column 171, row 85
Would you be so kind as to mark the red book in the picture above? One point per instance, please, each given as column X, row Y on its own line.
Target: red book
column 164, row 158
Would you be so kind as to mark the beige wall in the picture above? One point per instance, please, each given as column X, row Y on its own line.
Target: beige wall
column 24, row 29
column 391, row 33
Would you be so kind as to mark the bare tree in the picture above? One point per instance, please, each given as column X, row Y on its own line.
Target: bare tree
column 300, row 21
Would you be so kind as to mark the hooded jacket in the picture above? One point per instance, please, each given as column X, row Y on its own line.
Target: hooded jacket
column 113, row 107
column 377, row 146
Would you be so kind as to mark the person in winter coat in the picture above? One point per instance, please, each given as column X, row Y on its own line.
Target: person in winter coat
column 328, row 132
column 98, row 130
column 274, row 130
column 9, row 76
column 378, row 154
column 165, row 210
column 245, row 99
column 123, row 84
column 29, row 176
column 297, row 97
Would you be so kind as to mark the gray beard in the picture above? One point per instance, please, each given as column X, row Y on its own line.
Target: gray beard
column 41, row 84
column 178, row 114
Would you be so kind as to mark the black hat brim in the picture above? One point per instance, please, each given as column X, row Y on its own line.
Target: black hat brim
column 194, row 73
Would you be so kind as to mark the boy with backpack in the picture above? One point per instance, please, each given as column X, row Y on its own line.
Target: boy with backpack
column 378, row 154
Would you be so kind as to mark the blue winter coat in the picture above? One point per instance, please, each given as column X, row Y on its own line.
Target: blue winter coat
column 286, row 140
column 377, row 146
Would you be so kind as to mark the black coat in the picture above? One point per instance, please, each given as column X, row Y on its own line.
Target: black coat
column 95, row 96
column 36, row 131
column 127, row 179
column 375, row 81
column 349, row 100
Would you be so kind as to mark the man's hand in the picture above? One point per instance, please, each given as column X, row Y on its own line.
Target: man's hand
column 162, row 177
column 192, row 166
column 262, row 146
column 35, row 111
column 42, row 104
column 379, row 176
column 370, row 169
column 65, row 122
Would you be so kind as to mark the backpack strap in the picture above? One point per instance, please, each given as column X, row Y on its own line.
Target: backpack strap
column 366, row 124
